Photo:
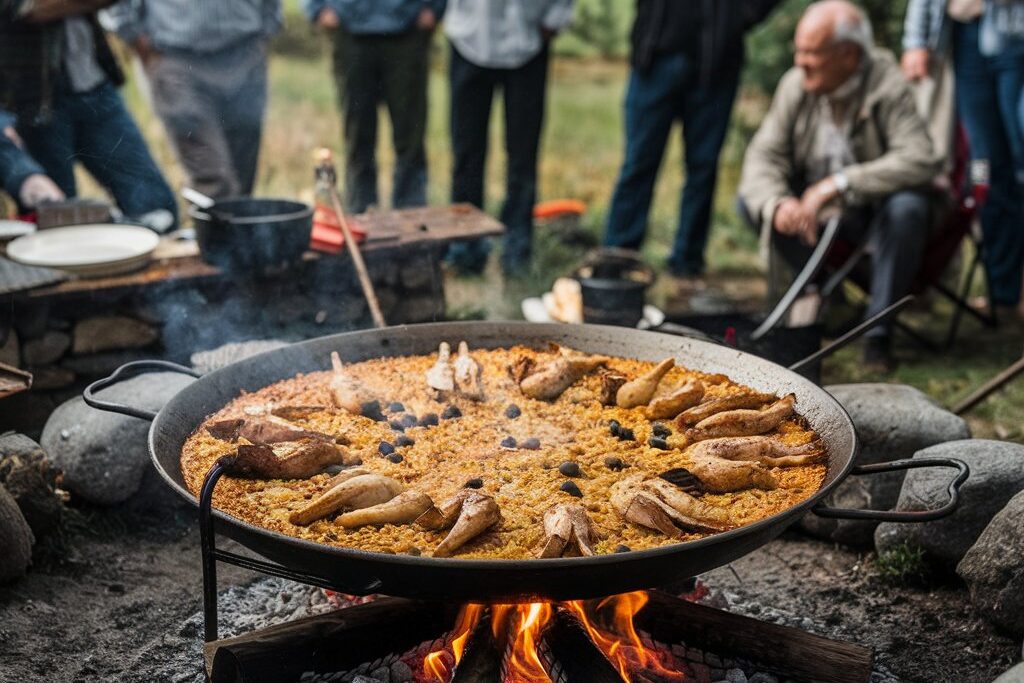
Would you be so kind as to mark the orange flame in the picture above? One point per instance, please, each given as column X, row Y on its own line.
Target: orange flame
column 523, row 624
column 440, row 664
column 620, row 643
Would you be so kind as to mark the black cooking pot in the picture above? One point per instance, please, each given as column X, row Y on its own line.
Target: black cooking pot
column 613, row 283
column 250, row 235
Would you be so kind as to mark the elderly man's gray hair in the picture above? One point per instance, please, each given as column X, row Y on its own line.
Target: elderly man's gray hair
column 854, row 28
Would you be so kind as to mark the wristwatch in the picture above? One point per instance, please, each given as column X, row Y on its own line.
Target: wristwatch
column 842, row 183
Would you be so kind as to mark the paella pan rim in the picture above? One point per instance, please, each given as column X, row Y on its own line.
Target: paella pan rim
column 162, row 436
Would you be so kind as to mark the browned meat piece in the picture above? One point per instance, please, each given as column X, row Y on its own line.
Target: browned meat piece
column 288, row 460
column 521, row 368
column 638, row 392
column 676, row 401
column 568, row 532
column 265, row 432
column 468, row 375
column 692, row 416
column 610, row 384
column 442, row 516
column 353, row 492
column 478, row 514
column 348, row 393
column 225, row 430
column 555, row 376
column 743, row 422
column 402, row 509
column 762, row 449
column 725, row 476
column 441, row 376
column 656, row 504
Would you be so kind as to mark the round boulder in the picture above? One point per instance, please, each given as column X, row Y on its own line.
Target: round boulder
column 1013, row 675
column 15, row 538
column 104, row 455
column 994, row 568
column 997, row 474
column 893, row 422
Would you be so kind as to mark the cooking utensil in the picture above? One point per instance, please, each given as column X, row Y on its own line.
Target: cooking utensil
column 197, row 198
column 87, row 250
column 360, row 572
column 613, row 283
column 250, row 236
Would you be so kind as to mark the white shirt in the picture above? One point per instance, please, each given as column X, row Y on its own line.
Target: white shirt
column 503, row 34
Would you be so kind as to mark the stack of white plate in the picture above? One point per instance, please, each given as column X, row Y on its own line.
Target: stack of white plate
column 97, row 250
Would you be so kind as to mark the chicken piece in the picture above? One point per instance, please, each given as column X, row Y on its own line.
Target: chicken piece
column 761, row 449
column 725, row 476
column 559, row 374
column 568, row 532
column 694, row 509
column 611, row 382
column 743, row 422
column 676, row 401
column 521, row 368
column 468, row 378
column 441, row 376
column 638, row 392
column 478, row 514
column 287, row 460
column 261, row 431
column 348, row 393
column 354, row 492
column 641, row 504
column 692, row 416
column 442, row 516
column 402, row 509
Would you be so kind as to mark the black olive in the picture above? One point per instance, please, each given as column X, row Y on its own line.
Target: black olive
column 508, row 442
column 396, row 426
column 569, row 469
column 396, row 407
column 613, row 463
column 621, row 548
column 626, row 434
column 513, row 411
column 395, row 458
column 408, row 420
column 385, row 448
column 658, row 442
column 403, row 440
column 371, row 409
column 474, row 483
column 571, row 488
column 531, row 444
column 428, row 420
column 451, row 412
column 660, row 429
column 614, row 427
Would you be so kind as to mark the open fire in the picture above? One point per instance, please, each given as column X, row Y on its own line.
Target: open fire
column 520, row 629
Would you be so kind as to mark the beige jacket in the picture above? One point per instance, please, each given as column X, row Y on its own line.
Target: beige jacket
column 889, row 141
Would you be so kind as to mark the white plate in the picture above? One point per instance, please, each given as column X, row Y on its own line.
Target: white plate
column 11, row 229
column 535, row 311
column 88, row 250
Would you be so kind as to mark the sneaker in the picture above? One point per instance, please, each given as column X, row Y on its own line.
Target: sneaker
column 877, row 355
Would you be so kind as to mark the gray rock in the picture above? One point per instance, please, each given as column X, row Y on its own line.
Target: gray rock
column 15, row 538
column 214, row 359
column 1014, row 675
column 994, row 568
column 400, row 672
column 52, row 377
column 10, row 349
column 762, row 677
column 31, row 480
column 111, row 333
column 893, row 422
column 997, row 474
column 46, row 349
column 736, row 676
column 104, row 455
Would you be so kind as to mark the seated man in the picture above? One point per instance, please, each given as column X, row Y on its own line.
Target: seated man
column 20, row 175
column 843, row 134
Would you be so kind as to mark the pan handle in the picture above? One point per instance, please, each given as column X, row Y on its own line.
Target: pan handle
column 124, row 372
column 908, row 515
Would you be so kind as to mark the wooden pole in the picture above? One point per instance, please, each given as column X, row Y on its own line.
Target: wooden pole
column 989, row 388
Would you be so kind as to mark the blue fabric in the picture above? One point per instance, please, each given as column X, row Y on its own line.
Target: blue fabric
column 15, row 164
column 95, row 129
column 375, row 17
column 988, row 97
column 926, row 24
column 656, row 97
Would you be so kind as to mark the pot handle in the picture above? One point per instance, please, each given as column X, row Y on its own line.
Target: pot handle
column 907, row 515
column 124, row 372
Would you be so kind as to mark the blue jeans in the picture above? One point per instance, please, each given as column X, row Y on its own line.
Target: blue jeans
column 94, row 128
column 654, row 100
column 988, row 96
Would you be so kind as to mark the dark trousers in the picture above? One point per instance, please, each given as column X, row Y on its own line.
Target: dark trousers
column 654, row 100
column 388, row 69
column 472, row 91
column 95, row 129
column 988, row 93
column 896, row 232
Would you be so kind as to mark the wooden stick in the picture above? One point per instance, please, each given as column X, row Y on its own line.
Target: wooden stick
column 989, row 388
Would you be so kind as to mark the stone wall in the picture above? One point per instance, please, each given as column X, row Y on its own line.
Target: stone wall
column 68, row 342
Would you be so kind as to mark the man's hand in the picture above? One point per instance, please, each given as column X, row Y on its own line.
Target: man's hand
column 788, row 218
column 328, row 18
column 13, row 136
column 915, row 63
column 426, row 20
column 813, row 201
column 145, row 50
column 37, row 189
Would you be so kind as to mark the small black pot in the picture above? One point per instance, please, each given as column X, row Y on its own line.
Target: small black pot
column 614, row 283
column 253, row 235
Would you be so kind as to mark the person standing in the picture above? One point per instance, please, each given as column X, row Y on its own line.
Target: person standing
column 20, row 175
column 686, row 60
column 207, row 68
column 381, row 53
column 500, row 44
column 59, row 78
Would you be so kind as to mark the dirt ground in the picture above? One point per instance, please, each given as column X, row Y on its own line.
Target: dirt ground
column 91, row 610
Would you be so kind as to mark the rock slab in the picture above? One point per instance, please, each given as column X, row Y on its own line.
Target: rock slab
column 104, row 455
column 893, row 422
column 111, row 333
column 214, row 359
column 997, row 474
column 15, row 539
column 994, row 568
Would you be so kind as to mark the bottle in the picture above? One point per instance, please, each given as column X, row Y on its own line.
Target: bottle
column 327, row 234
